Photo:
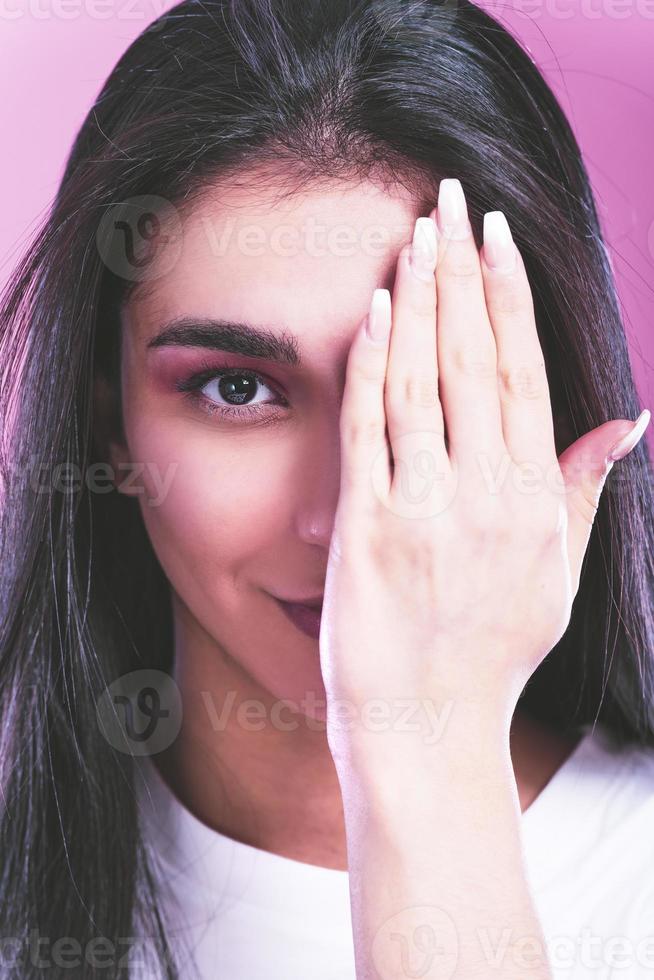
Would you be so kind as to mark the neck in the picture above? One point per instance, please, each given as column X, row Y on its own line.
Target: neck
column 275, row 786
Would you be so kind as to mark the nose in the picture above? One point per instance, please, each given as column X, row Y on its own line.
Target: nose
column 316, row 508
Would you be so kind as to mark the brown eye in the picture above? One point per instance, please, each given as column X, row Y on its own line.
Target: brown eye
column 231, row 392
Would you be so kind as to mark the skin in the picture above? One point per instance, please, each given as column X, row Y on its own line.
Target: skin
column 251, row 511
column 458, row 595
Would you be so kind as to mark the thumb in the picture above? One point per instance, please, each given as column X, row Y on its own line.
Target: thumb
column 585, row 466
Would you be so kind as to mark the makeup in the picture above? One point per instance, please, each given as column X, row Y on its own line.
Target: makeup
column 306, row 618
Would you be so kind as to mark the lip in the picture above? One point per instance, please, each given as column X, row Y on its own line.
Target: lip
column 306, row 618
column 313, row 601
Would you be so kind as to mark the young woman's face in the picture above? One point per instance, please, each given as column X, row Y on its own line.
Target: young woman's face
column 240, row 506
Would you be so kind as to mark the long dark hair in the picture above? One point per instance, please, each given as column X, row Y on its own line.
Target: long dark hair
column 380, row 88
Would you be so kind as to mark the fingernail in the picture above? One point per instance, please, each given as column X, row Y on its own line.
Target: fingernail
column 424, row 249
column 378, row 324
column 499, row 248
column 629, row 442
column 452, row 209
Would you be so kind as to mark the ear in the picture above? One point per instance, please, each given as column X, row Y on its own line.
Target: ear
column 109, row 443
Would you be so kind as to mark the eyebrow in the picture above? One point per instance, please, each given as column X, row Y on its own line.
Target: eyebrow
column 232, row 337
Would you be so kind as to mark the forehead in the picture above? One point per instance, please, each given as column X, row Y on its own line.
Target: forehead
column 305, row 261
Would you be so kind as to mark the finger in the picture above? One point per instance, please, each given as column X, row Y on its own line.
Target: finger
column 411, row 398
column 524, row 392
column 467, row 355
column 584, row 466
column 365, row 451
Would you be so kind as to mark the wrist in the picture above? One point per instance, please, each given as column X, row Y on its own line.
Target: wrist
column 428, row 728
column 458, row 748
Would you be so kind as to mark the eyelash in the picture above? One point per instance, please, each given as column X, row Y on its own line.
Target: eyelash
column 192, row 389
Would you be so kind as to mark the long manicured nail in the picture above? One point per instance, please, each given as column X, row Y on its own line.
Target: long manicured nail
column 452, row 209
column 499, row 248
column 629, row 442
column 424, row 249
column 378, row 322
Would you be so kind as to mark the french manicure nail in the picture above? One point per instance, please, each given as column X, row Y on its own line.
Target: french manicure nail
column 452, row 209
column 424, row 249
column 378, row 324
column 499, row 248
column 629, row 442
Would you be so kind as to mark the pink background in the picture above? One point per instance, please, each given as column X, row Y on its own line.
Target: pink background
column 596, row 55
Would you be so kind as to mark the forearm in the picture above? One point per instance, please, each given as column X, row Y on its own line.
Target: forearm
column 437, row 876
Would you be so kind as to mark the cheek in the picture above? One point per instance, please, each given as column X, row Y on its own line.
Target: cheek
column 211, row 500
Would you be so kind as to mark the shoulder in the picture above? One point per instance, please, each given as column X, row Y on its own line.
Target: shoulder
column 628, row 771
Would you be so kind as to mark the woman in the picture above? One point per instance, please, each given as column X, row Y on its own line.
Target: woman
column 249, row 175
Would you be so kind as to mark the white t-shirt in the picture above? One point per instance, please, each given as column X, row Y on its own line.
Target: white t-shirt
column 248, row 914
